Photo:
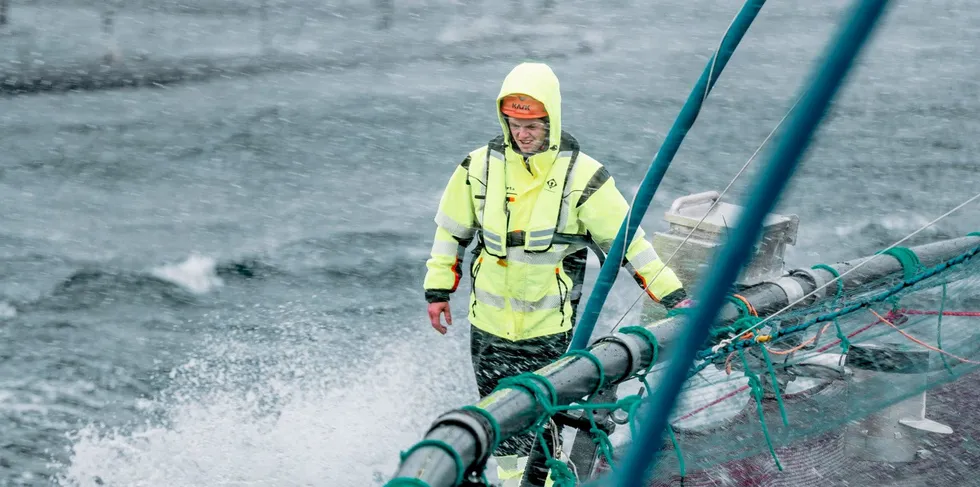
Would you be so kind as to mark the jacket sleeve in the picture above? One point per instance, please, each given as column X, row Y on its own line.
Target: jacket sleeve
column 602, row 209
column 455, row 228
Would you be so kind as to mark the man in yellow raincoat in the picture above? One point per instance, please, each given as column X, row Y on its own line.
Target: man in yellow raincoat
column 534, row 203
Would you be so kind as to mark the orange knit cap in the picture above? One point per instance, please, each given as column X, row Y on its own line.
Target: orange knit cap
column 522, row 106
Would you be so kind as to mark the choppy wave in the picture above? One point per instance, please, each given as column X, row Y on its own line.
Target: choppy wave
column 352, row 259
column 93, row 287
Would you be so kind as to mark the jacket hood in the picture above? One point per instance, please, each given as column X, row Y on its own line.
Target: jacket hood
column 538, row 81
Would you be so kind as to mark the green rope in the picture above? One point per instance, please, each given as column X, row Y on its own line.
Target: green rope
column 595, row 360
column 599, row 437
column 845, row 343
column 678, row 311
column 460, row 466
column 745, row 321
column 539, row 433
column 895, row 301
column 742, row 307
column 756, row 385
column 737, row 328
column 907, row 258
column 833, row 272
column 406, row 482
column 632, row 404
column 744, row 324
column 632, row 413
column 561, row 475
column 529, row 383
column 775, row 385
column 494, row 425
column 681, row 469
column 651, row 340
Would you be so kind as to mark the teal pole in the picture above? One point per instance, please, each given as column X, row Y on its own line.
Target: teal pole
column 643, row 453
column 648, row 187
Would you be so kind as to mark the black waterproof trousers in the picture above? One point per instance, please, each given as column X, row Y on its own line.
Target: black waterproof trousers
column 495, row 358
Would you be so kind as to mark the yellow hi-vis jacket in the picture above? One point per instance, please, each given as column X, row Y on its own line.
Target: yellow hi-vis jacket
column 532, row 216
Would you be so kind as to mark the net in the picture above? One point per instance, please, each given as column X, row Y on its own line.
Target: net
column 828, row 388
column 836, row 391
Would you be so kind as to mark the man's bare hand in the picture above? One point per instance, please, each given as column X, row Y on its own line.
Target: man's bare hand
column 436, row 309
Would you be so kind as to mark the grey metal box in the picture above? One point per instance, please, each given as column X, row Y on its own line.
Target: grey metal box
column 685, row 218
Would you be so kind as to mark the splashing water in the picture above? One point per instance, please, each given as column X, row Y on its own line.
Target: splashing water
column 285, row 416
column 195, row 274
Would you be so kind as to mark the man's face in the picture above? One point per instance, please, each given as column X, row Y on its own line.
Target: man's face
column 529, row 134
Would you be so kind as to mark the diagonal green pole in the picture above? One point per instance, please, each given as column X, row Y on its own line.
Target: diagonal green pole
column 642, row 455
column 648, row 187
